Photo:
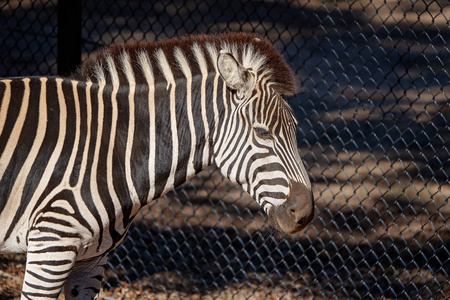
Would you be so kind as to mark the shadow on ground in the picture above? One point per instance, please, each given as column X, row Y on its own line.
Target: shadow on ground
column 197, row 259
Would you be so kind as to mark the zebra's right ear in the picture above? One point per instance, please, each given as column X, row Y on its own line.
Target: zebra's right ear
column 236, row 76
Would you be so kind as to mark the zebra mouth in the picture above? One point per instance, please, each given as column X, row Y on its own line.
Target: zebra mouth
column 295, row 213
column 279, row 220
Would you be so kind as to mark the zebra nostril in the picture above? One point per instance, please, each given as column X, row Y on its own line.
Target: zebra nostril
column 298, row 215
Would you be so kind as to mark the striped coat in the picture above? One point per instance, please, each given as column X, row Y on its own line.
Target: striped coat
column 80, row 156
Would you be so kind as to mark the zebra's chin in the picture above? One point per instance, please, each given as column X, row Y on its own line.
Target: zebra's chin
column 286, row 227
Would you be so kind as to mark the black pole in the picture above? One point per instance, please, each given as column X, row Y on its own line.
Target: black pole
column 69, row 36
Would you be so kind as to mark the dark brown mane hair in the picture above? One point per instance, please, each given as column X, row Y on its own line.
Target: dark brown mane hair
column 280, row 74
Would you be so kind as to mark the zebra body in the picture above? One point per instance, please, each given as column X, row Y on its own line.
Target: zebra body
column 80, row 156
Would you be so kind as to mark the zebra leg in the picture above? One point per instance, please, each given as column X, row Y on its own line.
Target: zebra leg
column 54, row 240
column 46, row 272
column 86, row 278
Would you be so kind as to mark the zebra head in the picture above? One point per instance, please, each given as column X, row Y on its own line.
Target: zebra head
column 258, row 151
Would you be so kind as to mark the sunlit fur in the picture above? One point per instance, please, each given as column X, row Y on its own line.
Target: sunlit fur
column 80, row 156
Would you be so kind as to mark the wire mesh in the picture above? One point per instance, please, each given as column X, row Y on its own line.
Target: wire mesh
column 373, row 110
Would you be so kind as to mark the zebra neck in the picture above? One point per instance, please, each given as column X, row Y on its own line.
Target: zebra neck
column 181, row 117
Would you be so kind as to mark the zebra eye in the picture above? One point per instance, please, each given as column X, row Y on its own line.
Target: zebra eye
column 263, row 133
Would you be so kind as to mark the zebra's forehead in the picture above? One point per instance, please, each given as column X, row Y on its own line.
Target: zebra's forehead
column 250, row 50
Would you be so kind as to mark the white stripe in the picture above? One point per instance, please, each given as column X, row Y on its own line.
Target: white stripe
column 109, row 158
column 184, row 66
column 64, row 204
column 73, row 155
column 99, row 74
column 167, row 72
column 213, row 54
column 165, row 67
column 93, row 178
column 129, row 74
column 112, row 70
column 198, row 53
column 146, row 67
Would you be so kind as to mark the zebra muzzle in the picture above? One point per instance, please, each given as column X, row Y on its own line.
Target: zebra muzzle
column 295, row 213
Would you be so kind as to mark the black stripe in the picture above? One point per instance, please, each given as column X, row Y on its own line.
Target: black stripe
column 33, row 295
column 56, row 273
column 44, row 239
column 41, row 287
column 63, row 234
column 2, row 91
column 56, row 221
column 225, row 117
column 163, row 161
column 241, row 164
column 210, row 112
column 198, row 123
column 42, row 278
column 276, row 195
column 264, row 168
column 183, row 131
column 51, row 262
column 81, row 88
column 141, row 150
column 56, row 249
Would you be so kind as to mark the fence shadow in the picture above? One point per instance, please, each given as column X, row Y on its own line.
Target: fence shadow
column 373, row 94
column 197, row 259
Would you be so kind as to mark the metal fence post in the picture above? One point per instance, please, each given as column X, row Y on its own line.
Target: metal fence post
column 69, row 36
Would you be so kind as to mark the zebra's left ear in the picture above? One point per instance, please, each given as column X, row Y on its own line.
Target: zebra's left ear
column 237, row 78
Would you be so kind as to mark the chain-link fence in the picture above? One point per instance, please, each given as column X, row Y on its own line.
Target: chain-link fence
column 373, row 110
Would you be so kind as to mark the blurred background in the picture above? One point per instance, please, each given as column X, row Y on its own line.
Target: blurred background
column 373, row 110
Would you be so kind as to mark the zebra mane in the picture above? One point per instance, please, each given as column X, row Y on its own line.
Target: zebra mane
column 111, row 64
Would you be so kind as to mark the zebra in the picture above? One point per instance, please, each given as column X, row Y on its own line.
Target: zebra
column 80, row 155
